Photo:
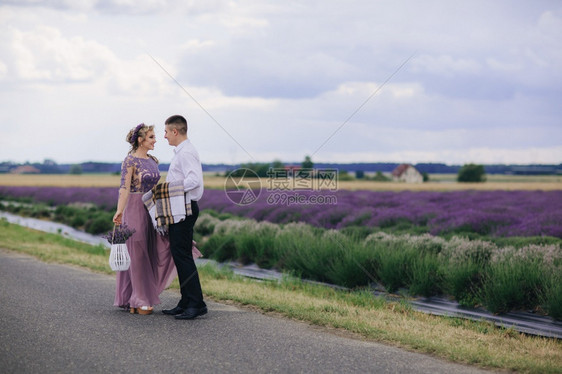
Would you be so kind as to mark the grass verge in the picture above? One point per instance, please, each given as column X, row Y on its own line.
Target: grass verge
column 463, row 341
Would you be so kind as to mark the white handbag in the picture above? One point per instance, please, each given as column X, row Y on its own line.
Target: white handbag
column 119, row 259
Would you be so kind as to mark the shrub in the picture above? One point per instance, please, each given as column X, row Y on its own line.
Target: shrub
column 77, row 221
column 426, row 276
column 513, row 284
column 426, row 244
column 99, row 224
column 261, row 169
column 343, row 175
column 471, row 173
column 40, row 211
column 552, row 299
column 394, row 263
column 256, row 244
column 463, row 281
column 357, row 232
column 380, row 177
column 407, row 260
column 355, row 268
column 233, row 226
column 302, row 250
column 75, row 169
column 205, row 224
column 459, row 250
column 220, row 247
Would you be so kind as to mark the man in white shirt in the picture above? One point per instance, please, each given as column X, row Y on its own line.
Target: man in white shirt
column 186, row 167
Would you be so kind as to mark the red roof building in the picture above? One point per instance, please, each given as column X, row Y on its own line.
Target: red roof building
column 25, row 169
column 407, row 173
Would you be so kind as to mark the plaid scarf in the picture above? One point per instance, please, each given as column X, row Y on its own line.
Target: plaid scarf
column 166, row 204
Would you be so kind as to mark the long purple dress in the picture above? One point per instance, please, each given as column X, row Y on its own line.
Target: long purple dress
column 152, row 267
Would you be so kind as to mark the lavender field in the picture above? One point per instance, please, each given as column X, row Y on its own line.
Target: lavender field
column 496, row 213
column 523, row 274
column 105, row 197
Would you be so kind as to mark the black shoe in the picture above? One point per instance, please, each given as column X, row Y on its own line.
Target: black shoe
column 191, row 313
column 173, row 312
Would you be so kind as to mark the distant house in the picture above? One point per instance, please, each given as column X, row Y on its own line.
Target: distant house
column 406, row 173
column 25, row 169
column 291, row 170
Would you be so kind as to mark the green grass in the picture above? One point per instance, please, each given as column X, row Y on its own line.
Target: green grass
column 53, row 248
column 358, row 313
column 92, row 219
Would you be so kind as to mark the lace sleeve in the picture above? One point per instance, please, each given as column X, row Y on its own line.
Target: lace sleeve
column 127, row 171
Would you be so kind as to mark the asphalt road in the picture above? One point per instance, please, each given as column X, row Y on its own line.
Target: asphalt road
column 57, row 318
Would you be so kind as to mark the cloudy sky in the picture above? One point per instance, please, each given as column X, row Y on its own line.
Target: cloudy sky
column 342, row 81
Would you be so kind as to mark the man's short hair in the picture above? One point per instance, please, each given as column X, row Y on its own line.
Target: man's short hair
column 177, row 122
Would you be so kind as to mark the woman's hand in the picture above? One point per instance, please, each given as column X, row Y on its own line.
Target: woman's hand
column 117, row 218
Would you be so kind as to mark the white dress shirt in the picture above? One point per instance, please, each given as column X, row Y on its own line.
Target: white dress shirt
column 186, row 166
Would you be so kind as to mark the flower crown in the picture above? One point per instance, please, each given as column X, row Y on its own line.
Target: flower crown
column 136, row 134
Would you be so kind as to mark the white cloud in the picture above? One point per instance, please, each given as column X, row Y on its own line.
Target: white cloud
column 550, row 24
column 45, row 56
column 196, row 44
column 507, row 67
column 282, row 77
column 133, row 7
column 451, row 156
column 543, row 155
column 239, row 23
column 446, row 65
column 3, row 70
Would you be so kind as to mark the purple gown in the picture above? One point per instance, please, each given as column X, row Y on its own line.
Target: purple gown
column 152, row 267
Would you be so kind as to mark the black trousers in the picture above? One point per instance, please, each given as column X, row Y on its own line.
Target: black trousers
column 181, row 235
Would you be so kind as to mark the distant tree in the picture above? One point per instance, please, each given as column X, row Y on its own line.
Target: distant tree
column 307, row 163
column 259, row 168
column 359, row 174
column 76, row 169
column 48, row 167
column 343, row 175
column 277, row 164
column 425, row 177
column 380, row 177
column 471, row 173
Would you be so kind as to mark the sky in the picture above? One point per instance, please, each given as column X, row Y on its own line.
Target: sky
column 341, row 81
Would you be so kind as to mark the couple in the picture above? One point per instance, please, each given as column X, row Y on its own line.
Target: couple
column 152, row 268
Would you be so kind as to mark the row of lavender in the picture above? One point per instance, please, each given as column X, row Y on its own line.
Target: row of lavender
column 474, row 272
column 498, row 213
column 104, row 197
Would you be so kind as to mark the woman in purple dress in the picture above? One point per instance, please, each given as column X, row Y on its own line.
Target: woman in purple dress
column 152, row 268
